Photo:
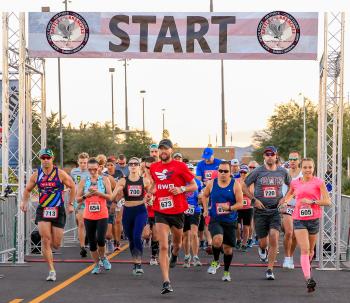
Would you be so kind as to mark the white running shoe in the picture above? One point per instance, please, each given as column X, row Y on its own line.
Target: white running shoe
column 51, row 276
column 187, row 261
column 226, row 277
column 262, row 254
column 214, row 265
column 196, row 261
column 153, row 261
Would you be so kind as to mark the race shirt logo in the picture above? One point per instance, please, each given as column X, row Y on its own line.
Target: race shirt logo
column 164, row 175
column 190, row 210
column 269, row 192
column 94, row 207
column 165, row 186
column 220, row 210
column 166, row 202
column 50, row 213
column 134, row 190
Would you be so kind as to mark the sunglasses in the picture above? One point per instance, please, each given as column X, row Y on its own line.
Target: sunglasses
column 45, row 158
column 148, row 167
column 243, row 172
column 223, row 171
column 269, row 154
column 133, row 164
column 92, row 169
column 293, row 159
column 252, row 167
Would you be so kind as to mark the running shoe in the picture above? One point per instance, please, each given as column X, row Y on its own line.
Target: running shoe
column 270, row 275
column 214, row 265
column 291, row 264
column 250, row 243
column 244, row 248
column 196, row 261
column 238, row 244
column 172, row 261
column 166, row 288
column 137, row 271
column 96, row 270
column 226, row 276
column 153, row 261
column 110, row 247
column 310, row 284
column 83, row 252
column 51, row 276
column 117, row 246
column 187, row 261
column 106, row 264
column 286, row 263
column 262, row 254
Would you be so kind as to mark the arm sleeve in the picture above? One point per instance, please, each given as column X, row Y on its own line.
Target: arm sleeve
column 287, row 179
column 251, row 178
column 199, row 172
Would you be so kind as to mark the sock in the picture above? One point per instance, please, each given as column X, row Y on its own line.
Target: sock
column 154, row 248
column 216, row 253
column 227, row 262
column 305, row 265
column 115, row 242
column 202, row 243
column 187, row 256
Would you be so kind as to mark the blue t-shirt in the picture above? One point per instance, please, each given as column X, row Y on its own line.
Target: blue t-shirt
column 208, row 171
column 192, row 200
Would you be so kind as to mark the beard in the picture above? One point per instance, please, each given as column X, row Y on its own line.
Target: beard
column 164, row 157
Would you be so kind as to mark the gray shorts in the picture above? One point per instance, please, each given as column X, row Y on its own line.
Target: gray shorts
column 265, row 220
column 312, row 226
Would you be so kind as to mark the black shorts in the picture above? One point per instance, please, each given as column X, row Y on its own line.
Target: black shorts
column 58, row 222
column 176, row 220
column 191, row 220
column 312, row 226
column 246, row 216
column 228, row 230
column 151, row 222
column 265, row 220
column 201, row 223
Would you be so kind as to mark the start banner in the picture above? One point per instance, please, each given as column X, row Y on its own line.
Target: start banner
column 276, row 35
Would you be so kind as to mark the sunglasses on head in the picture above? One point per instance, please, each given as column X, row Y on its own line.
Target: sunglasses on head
column 270, row 154
column 293, row 159
column 223, row 171
column 133, row 164
column 45, row 157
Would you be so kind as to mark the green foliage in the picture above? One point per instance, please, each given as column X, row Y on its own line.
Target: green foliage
column 136, row 145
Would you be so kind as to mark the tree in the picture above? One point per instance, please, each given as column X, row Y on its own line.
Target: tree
column 136, row 144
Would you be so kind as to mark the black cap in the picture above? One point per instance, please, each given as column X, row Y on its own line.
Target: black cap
column 166, row 143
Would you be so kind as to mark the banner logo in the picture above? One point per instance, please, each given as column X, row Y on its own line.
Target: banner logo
column 67, row 32
column 278, row 32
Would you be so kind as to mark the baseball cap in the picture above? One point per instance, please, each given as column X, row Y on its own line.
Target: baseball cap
column 271, row 149
column 166, row 143
column 46, row 152
column 190, row 166
column 234, row 162
column 207, row 153
column 244, row 168
column 152, row 146
column 177, row 155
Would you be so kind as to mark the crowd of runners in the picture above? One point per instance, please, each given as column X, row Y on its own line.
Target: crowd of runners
column 168, row 203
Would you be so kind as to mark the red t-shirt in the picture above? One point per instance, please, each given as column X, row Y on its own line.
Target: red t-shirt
column 167, row 176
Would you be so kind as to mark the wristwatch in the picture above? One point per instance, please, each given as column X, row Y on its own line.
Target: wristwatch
column 183, row 189
column 314, row 201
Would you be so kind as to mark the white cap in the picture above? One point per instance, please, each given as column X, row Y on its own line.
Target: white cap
column 190, row 166
column 234, row 162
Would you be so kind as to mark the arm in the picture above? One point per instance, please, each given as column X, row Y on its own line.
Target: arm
column 69, row 183
column 289, row 196
column 26, row 194
column 255, row 202
column 108, row 194
column 112, row 181
column 192, row 186
column 118, row 190
column 325, row 199
column 239, row 197
column 80, row 192
column 205, row 197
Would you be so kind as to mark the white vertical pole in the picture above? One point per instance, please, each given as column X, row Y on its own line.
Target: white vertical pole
column 43, row 107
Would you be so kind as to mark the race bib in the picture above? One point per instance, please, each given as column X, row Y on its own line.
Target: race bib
column 289, row 210
column 166, row 203
column 50, row 213
column 305, row 212
column 134, row 190
column 269, row 191
column 94, row 207
column 190, row 210
column 219, row 209
column 210, row 174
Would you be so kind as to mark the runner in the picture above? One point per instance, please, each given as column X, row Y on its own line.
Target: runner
column 177, row 157
column 192, row 218
column 169, row 185
column 154, row 152
column 206, row 171
column 78, row 174
column 226, row 198
column 132, row 188
column 235, row 168
column 252, row 165
column 122, row 166
column 268, row 180
column 95, row 191
column 310, row 193
column 287, row 212
column 245, row 214
column 50, row 214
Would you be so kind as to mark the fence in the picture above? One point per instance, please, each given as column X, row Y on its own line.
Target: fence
column 8, row 228
column 345, row 228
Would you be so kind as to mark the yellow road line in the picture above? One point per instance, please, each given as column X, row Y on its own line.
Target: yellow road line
column 16, row 300
column 72, row 279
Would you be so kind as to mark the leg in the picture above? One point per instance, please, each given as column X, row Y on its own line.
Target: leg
column 194, row 239
column 177, row 239
column 186, row 242
column 102, row 226
column 128, row 226
column 288, row 234
column 57, row 236
column 118, row 226
column 163, row 233
column 273, row 246
column 302, row 237
column 139, row 224
column 46, row 242
column 217, row 243
column 81, row 228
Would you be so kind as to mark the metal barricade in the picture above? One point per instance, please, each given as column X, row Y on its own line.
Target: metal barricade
column 70, row 229
column 345, row 228
column 8, row 227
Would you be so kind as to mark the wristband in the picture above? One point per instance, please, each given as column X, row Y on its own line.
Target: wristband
column 314, row 201
column 84, row 197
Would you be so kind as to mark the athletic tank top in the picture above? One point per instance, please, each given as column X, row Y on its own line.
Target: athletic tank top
column 50, row 188
column 95, row 206
column 133, row 190
column 219, row 197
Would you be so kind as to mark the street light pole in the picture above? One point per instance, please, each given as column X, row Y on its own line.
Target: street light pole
column 111, row 70
column 142, row 92
column 163, row 110
column 304, row 109
column 126, row 97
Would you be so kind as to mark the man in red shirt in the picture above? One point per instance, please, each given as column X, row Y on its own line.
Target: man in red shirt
column 171, row 179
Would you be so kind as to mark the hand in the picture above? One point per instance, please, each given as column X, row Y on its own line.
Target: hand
column 258, row 204
column 24, row 206
column 306, row 201
column 226, row 207
column 148, row 197
column 70, row 208
column 175, row 190
column 205, row 213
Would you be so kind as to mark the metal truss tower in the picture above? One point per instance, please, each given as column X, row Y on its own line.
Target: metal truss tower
column 330, row 135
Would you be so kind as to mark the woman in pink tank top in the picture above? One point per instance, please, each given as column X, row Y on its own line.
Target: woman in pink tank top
column 310, row 193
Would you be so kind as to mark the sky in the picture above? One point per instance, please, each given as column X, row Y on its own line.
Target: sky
column 189, row 91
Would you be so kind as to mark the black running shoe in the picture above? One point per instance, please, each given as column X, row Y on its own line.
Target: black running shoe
column 310, row 284
column 172, row 261
column 83, row 252
column 166, row 288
